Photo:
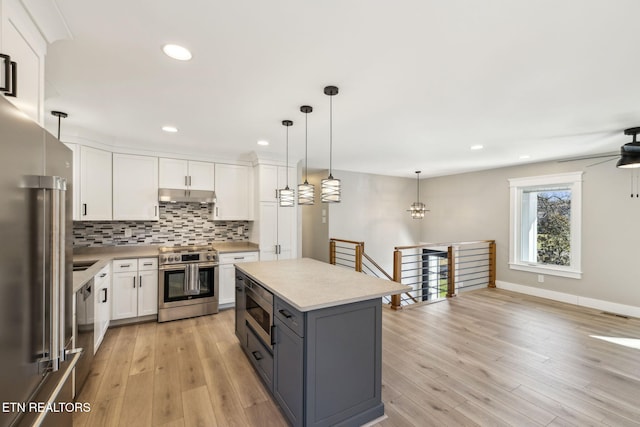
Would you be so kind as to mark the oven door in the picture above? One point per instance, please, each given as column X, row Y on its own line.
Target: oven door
column 259, row 314
column 187, row 284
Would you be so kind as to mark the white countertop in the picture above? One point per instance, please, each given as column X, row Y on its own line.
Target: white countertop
column 308, row 284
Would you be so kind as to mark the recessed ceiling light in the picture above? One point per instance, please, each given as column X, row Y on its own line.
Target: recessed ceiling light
column 477, row 147
column 525, row 156
column 263, row 142
column 176, row 52
column 170, row 129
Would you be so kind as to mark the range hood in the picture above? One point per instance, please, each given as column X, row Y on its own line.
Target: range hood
column 190, row 196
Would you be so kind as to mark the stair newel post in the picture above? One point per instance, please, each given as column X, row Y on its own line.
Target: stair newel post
column 332, row 252
column 451, row 272
column 492, row 264
column 397, row 277
column 359, row 251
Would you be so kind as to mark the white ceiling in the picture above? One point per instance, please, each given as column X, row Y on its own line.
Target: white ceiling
column 421, row 81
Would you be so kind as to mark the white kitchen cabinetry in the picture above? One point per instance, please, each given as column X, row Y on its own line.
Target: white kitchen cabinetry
column 276, row 226
column 102, row 305
column 23, row 42
column 135, row 288
column 95, row 184
column 234, row 193
column 75, row 191
column 135, row 187
column 187, row 174
column 227, row 285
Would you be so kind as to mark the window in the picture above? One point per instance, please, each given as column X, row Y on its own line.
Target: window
column 545, row 223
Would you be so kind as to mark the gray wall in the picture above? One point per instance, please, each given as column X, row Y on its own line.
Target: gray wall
column 374, row 210
column 315, row 233
column 476, row 206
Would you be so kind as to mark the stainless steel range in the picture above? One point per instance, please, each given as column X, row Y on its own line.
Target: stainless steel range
column 188, row 282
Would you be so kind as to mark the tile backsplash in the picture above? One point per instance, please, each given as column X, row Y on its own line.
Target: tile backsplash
column 179, row 224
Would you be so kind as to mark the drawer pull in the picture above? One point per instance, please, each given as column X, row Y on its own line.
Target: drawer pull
column 125, row 266
column 147, row 263
column 285, row 313
column 256, row 355
column 238, row 257
column 102, row 275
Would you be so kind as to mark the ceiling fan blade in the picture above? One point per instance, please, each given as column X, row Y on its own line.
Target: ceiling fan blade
column 600, row 162
column 596, row 156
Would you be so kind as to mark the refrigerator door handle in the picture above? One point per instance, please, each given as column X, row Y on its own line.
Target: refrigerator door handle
column 7, row 72
column 14, row 80
column 54, row 188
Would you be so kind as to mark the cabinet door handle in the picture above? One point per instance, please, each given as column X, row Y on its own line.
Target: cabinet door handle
column 256, row 355
column 155, row 211
column 84, row 209
column 134, row 281
column 189, row 180
column 105, row 295
column 273, row 334
column 102, row 275
column 7, row 72
column 217, row 214
column 285, row 313
column 140, row 282
column 14, row 80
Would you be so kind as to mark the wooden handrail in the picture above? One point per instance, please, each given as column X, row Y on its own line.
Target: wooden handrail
column 375, row 264
column 427, row 245
column 347, row 241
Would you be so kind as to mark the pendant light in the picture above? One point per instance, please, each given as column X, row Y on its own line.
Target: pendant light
column 305, row 190
column 330, row 188
column 287, row 195
column 418, row 208
column 630, row 152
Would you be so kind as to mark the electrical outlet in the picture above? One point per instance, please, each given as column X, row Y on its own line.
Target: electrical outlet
column 324, row 219
column 240, row 230
column 540, row 278
column 127, row 232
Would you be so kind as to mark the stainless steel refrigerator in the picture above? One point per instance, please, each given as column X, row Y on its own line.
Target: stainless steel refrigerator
column 36, row 357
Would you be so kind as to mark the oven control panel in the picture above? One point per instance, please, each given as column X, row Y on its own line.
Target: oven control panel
column 187, row 258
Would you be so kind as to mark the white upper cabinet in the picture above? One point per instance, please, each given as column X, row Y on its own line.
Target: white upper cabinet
column 201, row 176
column 273, row 178
column 95, row 184
column 135, row 187
column 187, row 174
column 21, row 40
column 234, row 193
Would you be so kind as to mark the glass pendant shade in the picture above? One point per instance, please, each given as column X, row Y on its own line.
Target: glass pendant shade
column 306, row 194
column 330, row 192
column 417, row 210
column 287, row 197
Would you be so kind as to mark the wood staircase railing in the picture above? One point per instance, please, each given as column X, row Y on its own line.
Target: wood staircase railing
column 468, row 265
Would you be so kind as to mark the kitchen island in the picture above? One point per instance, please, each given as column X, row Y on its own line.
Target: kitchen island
column 313, row 332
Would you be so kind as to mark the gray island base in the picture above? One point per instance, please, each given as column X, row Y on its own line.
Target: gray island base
column 317, row 343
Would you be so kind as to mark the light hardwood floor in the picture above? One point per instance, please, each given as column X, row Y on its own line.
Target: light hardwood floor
column 488, row 357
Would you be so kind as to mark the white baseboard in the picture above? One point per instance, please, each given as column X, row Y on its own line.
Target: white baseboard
column 608, row 306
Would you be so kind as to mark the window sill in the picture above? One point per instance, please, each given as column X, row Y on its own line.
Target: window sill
column 549, row 270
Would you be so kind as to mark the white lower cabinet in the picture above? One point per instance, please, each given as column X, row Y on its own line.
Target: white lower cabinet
column 135, row 288
column 102, row 305
column 227, row 285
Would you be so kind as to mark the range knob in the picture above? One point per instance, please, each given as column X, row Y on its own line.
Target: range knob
column 209, row 257
column 163, row 259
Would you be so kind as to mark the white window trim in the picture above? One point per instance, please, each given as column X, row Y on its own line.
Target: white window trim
column 574, row 181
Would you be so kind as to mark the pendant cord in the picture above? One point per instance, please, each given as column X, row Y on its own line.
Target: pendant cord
column 330, row 135
column 306, row 131
column 58, row 128
column 287, row 159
